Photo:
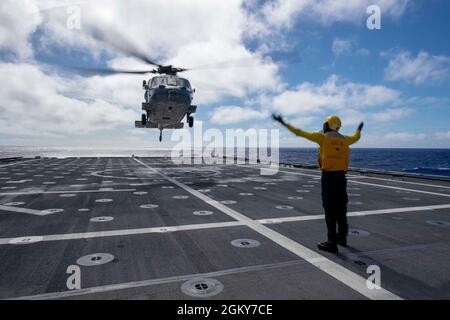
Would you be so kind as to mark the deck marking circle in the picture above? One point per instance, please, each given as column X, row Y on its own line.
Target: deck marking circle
column 48, row 211
column 67, row 195
column 284, row 207
column 354, row 194
column 49, row 182
column 245, row 243
column 260, row 188
column 295, row 198
column 202, row 287
column 148, row 206
column 303, row 191
column 308, row 186
column 26, row 240
column 401, row 191
column 227, row 202
column 140, row 193
column 95, row 259
column 355, row 202
column 167, row 187
column 101, row 219
column 245, row 194
column 358, row 232
column 204, row 190
column 203, row 213
column 180, row 197
column 103, row 200
column 84, row 209
column 439, row 223
column 222, row 185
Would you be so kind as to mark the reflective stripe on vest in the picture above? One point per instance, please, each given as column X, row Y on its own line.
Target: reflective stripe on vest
column 334, row 152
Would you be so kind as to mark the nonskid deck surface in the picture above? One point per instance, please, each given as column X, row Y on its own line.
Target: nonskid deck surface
column 147, row 228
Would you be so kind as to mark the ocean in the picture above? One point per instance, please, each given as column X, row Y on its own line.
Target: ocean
column 425, row 161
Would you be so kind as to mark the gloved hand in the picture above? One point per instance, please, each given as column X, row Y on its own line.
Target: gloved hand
column 278, row 118
column 361, row 125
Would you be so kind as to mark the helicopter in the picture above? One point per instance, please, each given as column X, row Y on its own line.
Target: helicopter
column 168, row 97
column 167, row 101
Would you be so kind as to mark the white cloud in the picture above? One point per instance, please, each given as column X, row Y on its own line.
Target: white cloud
column 347, row 47
column 424, row 68
column 404, row 136
column 182, row 33
column 442, row 135
column 302, row 121
column 18, row 20
column 235, row 114
column 35, row 104
column 391, row 114
column 284, row 13
column 333, row 95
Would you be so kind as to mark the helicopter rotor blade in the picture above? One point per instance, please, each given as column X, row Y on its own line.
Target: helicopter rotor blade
column 105, row 71
column 284, row 57
column 121, row 43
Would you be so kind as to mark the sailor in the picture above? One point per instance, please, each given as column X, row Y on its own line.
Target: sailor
column 333, row 161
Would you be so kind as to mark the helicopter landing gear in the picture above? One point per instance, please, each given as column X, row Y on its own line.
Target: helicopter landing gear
column 144, row 119
column 190, row 120
column 160, row 135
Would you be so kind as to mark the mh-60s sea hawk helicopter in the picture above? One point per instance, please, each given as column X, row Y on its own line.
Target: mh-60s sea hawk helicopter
column 167, row 97
column 167, row 101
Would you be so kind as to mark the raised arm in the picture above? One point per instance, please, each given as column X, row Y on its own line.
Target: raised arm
column 356, row 136
column 316, row 137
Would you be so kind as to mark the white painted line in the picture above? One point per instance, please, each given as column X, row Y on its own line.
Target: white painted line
column 347, row 277
column 128, row 232
column 24, row 210
column 400, row 188
column 353, row 176
column 14, row 163
column 61, row 191
column 356, row 213
column 399, row 181
column 371, row 184
column 152, row 282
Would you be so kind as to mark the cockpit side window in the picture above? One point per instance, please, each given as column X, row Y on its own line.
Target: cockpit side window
column 157, row 81
column 172, row 81
column 185, row 84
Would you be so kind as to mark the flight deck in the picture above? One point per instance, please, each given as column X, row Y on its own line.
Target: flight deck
column 149, row 228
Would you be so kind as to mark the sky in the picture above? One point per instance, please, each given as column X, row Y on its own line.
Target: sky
column 303, row 59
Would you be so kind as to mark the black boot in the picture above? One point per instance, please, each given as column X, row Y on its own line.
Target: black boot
column 328, row 246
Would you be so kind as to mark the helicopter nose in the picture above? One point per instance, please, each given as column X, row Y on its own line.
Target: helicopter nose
column 172, row 95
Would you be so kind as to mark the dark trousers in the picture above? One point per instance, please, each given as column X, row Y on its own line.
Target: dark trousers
column 334, row 201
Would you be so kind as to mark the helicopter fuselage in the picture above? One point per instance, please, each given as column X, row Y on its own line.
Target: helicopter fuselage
column 167, row 101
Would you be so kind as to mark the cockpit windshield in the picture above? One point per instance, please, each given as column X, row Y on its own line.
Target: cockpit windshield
column 171, row 82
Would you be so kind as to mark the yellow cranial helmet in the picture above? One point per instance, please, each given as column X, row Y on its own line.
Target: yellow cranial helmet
column 334, row 123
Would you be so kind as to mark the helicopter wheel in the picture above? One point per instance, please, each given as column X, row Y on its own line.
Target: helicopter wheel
column 144, row 119
column 191, row 121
